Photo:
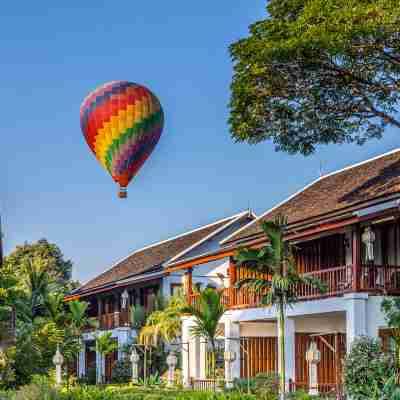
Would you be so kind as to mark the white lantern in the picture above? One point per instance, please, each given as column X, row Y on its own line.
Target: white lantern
column 58, row 361
column 134, row 359
column 313, row 356
column 172, row 361
column 124, row 299
column 368, row 238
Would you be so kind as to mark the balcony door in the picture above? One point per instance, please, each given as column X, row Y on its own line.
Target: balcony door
column 319, row 254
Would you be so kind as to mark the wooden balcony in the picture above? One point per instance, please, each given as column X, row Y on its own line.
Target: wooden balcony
column 374, row 279
column 110, row 321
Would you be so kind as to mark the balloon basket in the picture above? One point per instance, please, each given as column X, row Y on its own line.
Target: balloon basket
column 123, row 194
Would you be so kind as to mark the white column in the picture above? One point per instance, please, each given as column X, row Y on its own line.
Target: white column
column 290, row 349
column 82, row 361
column 203, row 359
column 187, row 323
column 195, row 348
column 356, row 316
column 232, row 344
column 100, row 361
column 124, row 338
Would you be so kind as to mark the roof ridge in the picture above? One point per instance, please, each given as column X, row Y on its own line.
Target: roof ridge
column 227, row 239
column 234, row 219
column 166, row 241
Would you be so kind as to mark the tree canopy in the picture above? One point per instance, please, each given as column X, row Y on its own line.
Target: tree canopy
column 317, row 72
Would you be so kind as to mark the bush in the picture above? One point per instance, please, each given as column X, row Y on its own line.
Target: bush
column 122, row 371
column 367, row 370
column 264, row 385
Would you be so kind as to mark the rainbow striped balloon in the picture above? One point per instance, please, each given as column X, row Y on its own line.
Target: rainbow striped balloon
column 122, row 123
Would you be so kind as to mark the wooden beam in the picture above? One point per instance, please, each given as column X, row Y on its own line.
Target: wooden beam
column 200, row 260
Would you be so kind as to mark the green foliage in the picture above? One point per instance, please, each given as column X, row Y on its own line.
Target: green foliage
column 122, row 371
column 45, row 256
column 138, row 316
column 164, row 323
column 105, row 345
column 391, row 309
column 317, row 71
column 33, row 282
column 367, row 370
column 207, row 312
column 264, row 385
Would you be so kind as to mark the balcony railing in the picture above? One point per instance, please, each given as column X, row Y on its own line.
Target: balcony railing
column 114, row 320
column 339, row 280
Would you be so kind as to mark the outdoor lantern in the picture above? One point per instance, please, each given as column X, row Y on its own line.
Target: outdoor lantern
column 172, row 361
column 58, row 361
column 134, row 359
column 313, row 356
column 368, row 238
column 124, row 299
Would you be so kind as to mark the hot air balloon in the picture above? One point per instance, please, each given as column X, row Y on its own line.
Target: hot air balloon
column 122, row 123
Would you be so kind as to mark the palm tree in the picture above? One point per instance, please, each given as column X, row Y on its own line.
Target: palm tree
column 207, row 312
column 164, row 323
column 277, row 279
column 104, row 346
column 137, row 316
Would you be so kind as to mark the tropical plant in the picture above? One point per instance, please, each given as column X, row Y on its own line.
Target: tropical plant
column 317, row 72
column 104, row 346
column 165, row 323
column 121, row 371
column 367, row 370
column 138, row 316
column 391, row 309
column 207, row 313
column 277, row 279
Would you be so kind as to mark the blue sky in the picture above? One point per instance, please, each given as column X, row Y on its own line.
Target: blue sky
column 51, row 185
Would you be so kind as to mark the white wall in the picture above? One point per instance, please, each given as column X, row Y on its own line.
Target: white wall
column 205, row 274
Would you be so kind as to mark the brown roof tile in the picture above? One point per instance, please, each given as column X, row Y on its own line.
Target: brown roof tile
column 337, row 191
column 152, row 256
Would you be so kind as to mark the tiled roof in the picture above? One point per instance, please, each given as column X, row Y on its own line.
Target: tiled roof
column 349, row 187
column 151, row 257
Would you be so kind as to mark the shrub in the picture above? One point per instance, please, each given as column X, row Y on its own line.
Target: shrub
column 367, row 370
column 122, row 371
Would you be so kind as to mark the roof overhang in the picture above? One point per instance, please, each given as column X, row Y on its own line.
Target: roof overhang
column 115, row 285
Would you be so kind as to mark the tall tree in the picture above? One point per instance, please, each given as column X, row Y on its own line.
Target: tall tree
column 317, row 72
column 207, row 313
column 278, row 279
column 105, row 345
column 47, row 256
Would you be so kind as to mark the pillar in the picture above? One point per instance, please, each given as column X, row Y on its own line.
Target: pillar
column 187, row 352
column 356, row 316
column 203, row 359
column 290, row 349
column 100, row 367
column 82, row 361
column 124, row 338
column 232, row 344
column 187, row 283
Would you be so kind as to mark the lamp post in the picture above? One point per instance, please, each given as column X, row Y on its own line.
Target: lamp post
column 58, row 361
column 172, row 361
column 313, row 356
column 134, row 359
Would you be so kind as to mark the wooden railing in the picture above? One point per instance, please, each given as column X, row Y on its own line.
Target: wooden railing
column 114, row 320
column 207, row 385
column 338, row 281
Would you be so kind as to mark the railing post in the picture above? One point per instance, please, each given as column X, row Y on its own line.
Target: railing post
column 188, row 284
column 356, row 258
column 232, row 283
